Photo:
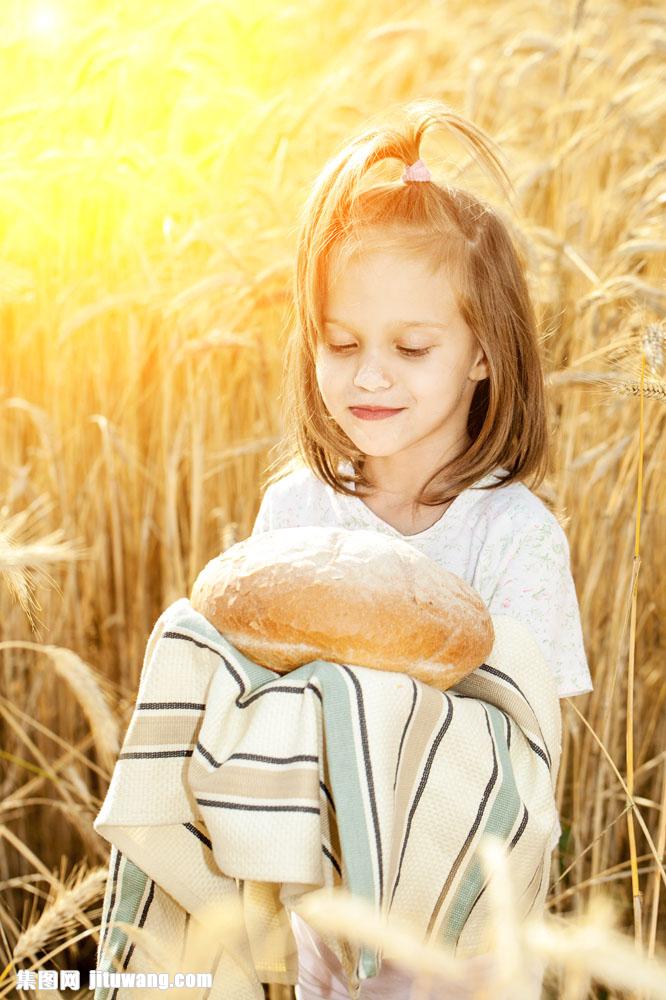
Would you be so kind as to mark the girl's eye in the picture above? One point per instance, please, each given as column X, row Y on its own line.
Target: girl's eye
column 412, row 352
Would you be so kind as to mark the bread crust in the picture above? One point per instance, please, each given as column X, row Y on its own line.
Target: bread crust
column 293, row 595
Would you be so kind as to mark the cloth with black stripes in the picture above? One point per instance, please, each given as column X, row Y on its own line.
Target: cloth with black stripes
column 236, row 780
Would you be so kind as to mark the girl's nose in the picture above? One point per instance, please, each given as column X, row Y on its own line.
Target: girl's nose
column 370, row 377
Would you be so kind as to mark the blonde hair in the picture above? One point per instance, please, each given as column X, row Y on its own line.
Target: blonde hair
column 450, row 227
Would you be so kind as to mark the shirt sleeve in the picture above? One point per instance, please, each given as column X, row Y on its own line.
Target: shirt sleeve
column 527, row 575
column 263, row 521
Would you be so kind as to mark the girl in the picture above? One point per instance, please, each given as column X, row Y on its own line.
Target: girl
column 415, row 406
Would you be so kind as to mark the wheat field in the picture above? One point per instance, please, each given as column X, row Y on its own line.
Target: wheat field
column 153, row 163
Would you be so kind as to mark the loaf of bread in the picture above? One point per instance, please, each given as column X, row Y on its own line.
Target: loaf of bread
column 292, row 595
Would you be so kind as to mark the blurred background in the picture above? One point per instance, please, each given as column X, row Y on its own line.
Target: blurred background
column 153, row 160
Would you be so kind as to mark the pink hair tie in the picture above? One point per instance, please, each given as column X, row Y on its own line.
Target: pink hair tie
column 417, row 172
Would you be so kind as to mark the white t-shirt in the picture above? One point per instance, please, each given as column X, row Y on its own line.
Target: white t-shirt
column 508, row 546
column 505, row 543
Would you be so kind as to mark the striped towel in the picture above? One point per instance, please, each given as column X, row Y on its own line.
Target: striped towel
column 234, row 779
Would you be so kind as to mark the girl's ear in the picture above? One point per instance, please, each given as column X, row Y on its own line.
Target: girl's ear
column 479, row 369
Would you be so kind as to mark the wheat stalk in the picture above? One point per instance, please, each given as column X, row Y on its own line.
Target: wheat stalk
column 87, row 690
column 62, row 912
column 650, row 389
column 23, row 562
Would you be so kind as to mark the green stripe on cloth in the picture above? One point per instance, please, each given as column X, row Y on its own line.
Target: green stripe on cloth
column 131, row 888
column 347, row 786
column 500, row 822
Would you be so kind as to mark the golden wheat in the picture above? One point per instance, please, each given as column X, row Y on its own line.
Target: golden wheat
column 62, row 913
column 150, row 189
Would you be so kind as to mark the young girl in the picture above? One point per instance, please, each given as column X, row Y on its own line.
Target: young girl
column 415, row 406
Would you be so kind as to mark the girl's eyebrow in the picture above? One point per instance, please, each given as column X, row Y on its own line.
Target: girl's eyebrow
column 400, row 323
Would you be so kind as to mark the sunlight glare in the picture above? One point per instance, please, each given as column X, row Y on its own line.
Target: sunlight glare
column 44, row 21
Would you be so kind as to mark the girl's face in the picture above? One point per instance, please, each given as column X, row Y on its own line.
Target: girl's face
column 394, row 337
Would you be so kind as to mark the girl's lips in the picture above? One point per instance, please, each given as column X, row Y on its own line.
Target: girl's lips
column 364, row 414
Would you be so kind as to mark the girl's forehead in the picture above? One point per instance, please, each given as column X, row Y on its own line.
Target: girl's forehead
column 395, row 266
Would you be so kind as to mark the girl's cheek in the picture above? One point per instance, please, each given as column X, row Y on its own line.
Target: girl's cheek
column 326, row 368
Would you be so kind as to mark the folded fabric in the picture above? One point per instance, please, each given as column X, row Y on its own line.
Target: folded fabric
column 235, row 780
